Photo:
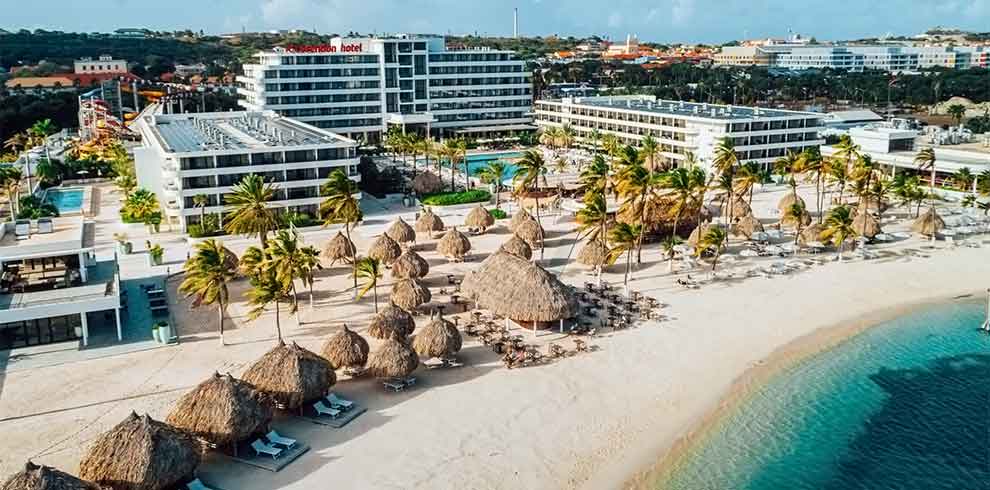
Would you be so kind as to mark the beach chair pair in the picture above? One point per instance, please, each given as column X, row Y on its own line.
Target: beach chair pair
column 337, row 406
column 398, row 384
column 261, row 448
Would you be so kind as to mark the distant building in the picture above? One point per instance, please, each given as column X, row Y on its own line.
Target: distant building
column 187, row 71
column 104, row 64
column 131, row 33
column 742, row 56
column 184, row 155
column 631, row 46
column 850, row 119
column 40, row 85
column 895, row 59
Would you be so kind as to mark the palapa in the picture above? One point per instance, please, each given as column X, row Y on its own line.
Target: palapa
column 454, row 245
column 519, row 218
column 789, row 200
column 518, row 289
column 788, row 220
column 531, row 232
column 427, row 183
column 747, row 226
column 811, row 233
column 439, row 338
column 479, row 219
column 346, row 349
column 593, row 254
column 928, row 224
column 699, row 232
column 866, row 225
column 401, row 232
column 410, row 265
column 392, row 322
column 35, row 477
column 385, row 249
column 291, row 375
column 140, row 453
column 392, row 359
column 518, row 247
column 428, row 223
column 740, row 207
column 408, row 294
column 223, row 410
column 339, row 248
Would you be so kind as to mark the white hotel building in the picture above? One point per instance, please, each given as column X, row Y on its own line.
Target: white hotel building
column 759, row 135
column 855, row 58
column 359, row 87
column 183, row 155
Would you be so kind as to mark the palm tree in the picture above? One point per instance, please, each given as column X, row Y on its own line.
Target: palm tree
column 593, row 217
column 340, row 205
column 983, row 183
column 624, row 238
column 957, row 112
column 796, row 213
column 253, row 262
column 636, row 184
column 611, row 145
column 369, row 269
column 838, row 174
column 10, row 184
column 749, row 176
column 594, row 176
column 669, row 246
column 200, row 201
column 595, row 136
column 252, row 214
column 453, row 149
column 964, row 179
column 39, row 132
column 724, row 163
column 925, row 160
column 17, row 142
column 529, row 169
column 288, row 260
column 714, row 240
column 839, row 227
column 207, row 274
column 684, row 183
column 813, row 165
column 267, row 289
column 787, row 167
column 494, row 173
column 649, row 149
column 309, row 264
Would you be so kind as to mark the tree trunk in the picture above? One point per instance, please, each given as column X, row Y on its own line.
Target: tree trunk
column 220, row 321
column 278, row 326
column 625, row 281
column 347, row 230
column 375, row 292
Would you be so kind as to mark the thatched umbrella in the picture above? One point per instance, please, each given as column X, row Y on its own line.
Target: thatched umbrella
column 427, row 183
column 291, row 375
column 385, row 249
column 439, row 338
column 593, row 254
column 428, row 223
column 531, row 232
column 811, row 233
column 408, row 294
column 789, row 200
column 35, row 477
column 699, row 232
column 392, row 322
column 519, row 218
column 222, row 410
column 516, row 288
column 140, row 454
column 866, row 225
column 928, row 224
column 410, row 264
column 392, row 359
column 788, row 220
column 454, row 245
column 401, row 232
column 346, row 349
column 339, row 248
column 518, row 247
column 740, row 207
column 748, row 225
column 479, row 219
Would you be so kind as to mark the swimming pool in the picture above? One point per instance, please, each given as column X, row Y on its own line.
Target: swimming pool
column 67, row 200
column 481, row 160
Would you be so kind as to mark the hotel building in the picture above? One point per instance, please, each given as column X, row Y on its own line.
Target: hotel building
column 184, row 155
column 759, row 135
column 360, row 87
column 856, row 58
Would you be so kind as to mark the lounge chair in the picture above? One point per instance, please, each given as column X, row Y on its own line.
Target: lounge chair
column 277, row 439
column 197, row 485
column 322, row 409
column 262, row 448
column 395, row 385
column 339, row 403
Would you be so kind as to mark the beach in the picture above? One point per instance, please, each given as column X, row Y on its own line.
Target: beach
column 602, row 419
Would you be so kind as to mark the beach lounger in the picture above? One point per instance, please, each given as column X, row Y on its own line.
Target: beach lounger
column 197, row 485
column 433, row 363
column 277, row 439
column 322, row 409
column 339, row 403
column 262, row 448
column 394, row 385
column 410, row 381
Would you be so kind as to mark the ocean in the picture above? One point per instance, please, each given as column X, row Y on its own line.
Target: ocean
column 904, row 405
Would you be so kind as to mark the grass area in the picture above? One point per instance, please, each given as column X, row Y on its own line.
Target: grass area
column 498, row 213
column 453, row 198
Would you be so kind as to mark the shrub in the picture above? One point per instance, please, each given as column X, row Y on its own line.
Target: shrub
column 452, row 198
column 498, row 213
column 198, row 231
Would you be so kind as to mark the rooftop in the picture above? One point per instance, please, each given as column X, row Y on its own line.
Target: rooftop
column 690, row 109
column 70, row 235
column 218, row 131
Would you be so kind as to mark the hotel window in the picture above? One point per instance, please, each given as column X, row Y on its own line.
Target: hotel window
column 419, row 65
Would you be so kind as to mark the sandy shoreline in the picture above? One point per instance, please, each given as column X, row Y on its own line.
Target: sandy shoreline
column 821, row 340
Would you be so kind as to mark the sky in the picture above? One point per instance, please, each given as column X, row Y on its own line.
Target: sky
column 708, row 21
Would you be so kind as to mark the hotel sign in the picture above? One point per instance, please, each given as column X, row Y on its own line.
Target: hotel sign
column 321, row 48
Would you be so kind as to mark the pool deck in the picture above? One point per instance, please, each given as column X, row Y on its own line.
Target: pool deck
column 86, row 206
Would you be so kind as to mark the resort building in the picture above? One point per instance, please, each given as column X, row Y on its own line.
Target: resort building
column 52, row 289
column 360, row 87
column 682, row 128
column 105, row 64
column 855, row 58
column 185, row 155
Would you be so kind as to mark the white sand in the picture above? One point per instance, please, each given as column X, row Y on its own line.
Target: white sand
column 592, row 421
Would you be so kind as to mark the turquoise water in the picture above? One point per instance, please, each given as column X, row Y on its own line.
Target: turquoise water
column 65, row 200
column 905, row 405
column 478, row 162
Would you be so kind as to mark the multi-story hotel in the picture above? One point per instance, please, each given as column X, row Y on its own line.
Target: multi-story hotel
column 759, row 135
column 184, row 155
column 856, row 58
column 359, row 87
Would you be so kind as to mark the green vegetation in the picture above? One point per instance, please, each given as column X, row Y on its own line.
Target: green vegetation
column 30, row 207
column 453, row 198
column 498, row 213
column 141, row 206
